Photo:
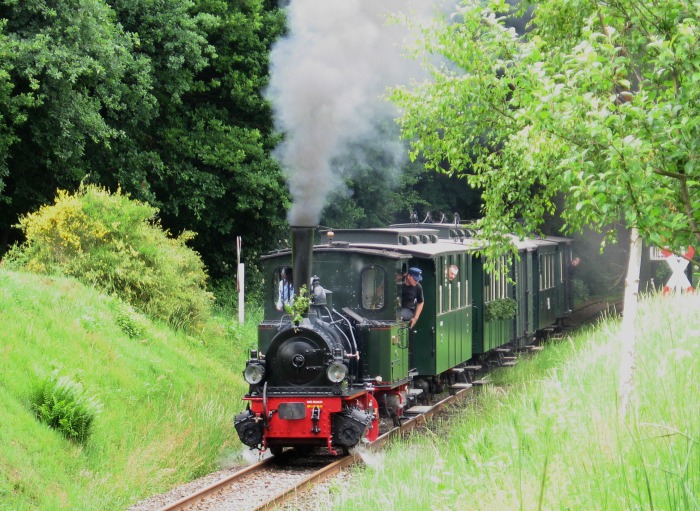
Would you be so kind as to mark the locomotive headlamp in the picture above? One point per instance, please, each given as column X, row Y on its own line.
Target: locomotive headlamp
column 337, row 372
column 254, row 372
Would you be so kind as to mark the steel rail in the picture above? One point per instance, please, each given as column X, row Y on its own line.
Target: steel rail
column 349, row 460
column 317, row 476
column 336, row 466
column 215, row 487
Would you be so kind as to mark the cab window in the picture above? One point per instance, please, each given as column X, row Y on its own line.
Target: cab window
column 373, row 288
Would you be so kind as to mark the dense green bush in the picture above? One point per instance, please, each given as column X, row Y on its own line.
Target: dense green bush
column 128, row 321
column 115, row 243
column 581, row 293
column 500, row 308
column 64, row 405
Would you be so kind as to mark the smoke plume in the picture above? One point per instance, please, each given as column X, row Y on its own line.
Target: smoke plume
column 328, row 79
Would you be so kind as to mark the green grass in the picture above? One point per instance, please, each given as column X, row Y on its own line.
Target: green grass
column 548, row 436
column 168, row 398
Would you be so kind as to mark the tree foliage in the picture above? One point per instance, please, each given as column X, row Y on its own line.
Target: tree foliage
column 597, row 99
column 162, row 99
column 214, row 130
column 74, row 83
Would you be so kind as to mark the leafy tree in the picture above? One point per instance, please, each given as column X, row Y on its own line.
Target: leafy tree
column 377, row 196
column 377, row 189
column 214, row 173
column 76, row 86
column 382, row 187
column 11, row 111
column 160, row 99
column 598, row 99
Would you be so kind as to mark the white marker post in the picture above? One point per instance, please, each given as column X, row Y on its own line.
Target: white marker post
column 240, row 282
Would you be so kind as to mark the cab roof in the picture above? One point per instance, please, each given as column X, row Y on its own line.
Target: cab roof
column 410, row 240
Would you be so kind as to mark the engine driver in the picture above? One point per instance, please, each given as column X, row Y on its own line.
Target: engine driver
column 412, row 296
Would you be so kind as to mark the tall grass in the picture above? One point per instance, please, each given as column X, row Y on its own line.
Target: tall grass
column 548, row 435
column 168, row 398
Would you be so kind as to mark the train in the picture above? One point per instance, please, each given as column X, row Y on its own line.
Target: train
column 329, row 365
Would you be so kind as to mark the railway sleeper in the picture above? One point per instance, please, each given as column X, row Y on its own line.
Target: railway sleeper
column 546, row 333
column 457, row 387
column 471, row 371
column 414, row 396
column 418, row 410
column 458, row 375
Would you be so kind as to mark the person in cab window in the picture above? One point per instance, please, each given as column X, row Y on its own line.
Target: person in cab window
column 412, row 296
column 285, row 292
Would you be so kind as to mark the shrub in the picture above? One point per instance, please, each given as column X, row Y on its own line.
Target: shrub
column 500, row 308
column 127, row 320
column 581, row 293
column 114, row 243
column 63, row 404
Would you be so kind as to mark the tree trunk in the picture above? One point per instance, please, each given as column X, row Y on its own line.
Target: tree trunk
column 628, row 332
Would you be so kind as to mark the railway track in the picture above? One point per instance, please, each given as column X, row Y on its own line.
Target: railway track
column 269, row 483
column 591, row 311
column 274, row 481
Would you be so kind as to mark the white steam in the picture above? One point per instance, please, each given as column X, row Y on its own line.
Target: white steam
column 328, row 79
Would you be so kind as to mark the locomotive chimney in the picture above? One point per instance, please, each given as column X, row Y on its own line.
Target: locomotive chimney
column 302, row 255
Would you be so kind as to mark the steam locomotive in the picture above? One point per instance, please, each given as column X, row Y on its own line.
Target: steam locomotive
column 324, row 376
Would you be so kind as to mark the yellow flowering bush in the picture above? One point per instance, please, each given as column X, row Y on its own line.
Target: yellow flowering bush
column 114, row 243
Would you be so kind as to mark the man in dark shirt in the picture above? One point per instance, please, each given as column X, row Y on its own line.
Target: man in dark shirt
column 412, row 296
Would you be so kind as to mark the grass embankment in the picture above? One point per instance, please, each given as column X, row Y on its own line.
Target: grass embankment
column 169, row 399
column 548, row 435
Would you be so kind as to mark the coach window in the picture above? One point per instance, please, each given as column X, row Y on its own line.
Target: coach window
column 453, row 276
column 487, row 286
column 547, row 277
column 464, row 280
column 496, row 281
column 444, row 304
column 373, row 288
column 282, row 285
column 561, row 267
column 543, row 272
